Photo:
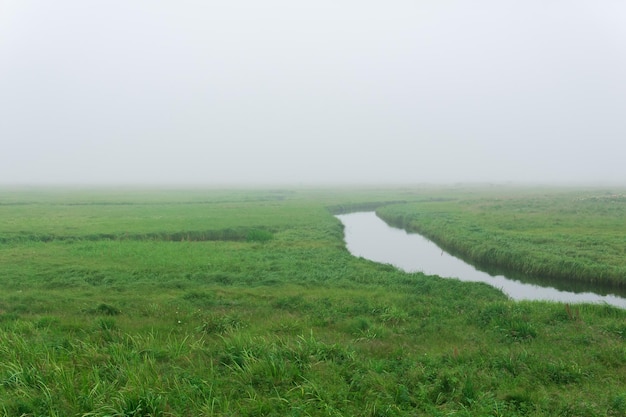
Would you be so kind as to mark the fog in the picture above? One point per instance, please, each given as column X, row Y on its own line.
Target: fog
column 323, row 92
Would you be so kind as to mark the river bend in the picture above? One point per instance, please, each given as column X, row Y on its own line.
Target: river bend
column 367, row 236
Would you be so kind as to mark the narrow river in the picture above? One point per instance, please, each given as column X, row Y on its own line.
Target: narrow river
column 369, row 237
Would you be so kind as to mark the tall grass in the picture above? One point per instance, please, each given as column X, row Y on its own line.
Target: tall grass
column 569, row 236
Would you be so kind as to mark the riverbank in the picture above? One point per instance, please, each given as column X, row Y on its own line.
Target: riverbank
column 111, row 316
column 566, row 235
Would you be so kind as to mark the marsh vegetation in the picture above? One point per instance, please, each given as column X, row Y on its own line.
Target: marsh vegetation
column 246, row 302
column 570, row 236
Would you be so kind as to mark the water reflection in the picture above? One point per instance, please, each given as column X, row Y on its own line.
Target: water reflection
column 369, row 237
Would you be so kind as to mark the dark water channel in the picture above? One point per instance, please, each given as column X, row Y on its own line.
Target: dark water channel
column 369, row 237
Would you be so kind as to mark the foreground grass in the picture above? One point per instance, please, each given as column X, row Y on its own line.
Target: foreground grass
column 219, row 303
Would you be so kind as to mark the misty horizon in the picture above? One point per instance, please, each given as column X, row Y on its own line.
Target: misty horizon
column 358, row 93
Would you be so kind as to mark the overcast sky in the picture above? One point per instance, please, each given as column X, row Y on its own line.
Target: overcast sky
column 312, row 92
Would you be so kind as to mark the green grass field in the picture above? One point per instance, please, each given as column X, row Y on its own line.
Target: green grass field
column 246, row 303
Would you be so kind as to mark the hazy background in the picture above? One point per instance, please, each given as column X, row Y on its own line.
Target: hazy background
column 312, row 92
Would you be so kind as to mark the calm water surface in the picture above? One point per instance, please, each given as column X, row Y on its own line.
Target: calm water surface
column 369, row 237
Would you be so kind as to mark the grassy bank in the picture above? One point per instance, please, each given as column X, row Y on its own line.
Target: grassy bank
column 568, row 235
column 246, row 302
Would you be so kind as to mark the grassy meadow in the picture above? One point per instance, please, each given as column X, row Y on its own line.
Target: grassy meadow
column 209, row 302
